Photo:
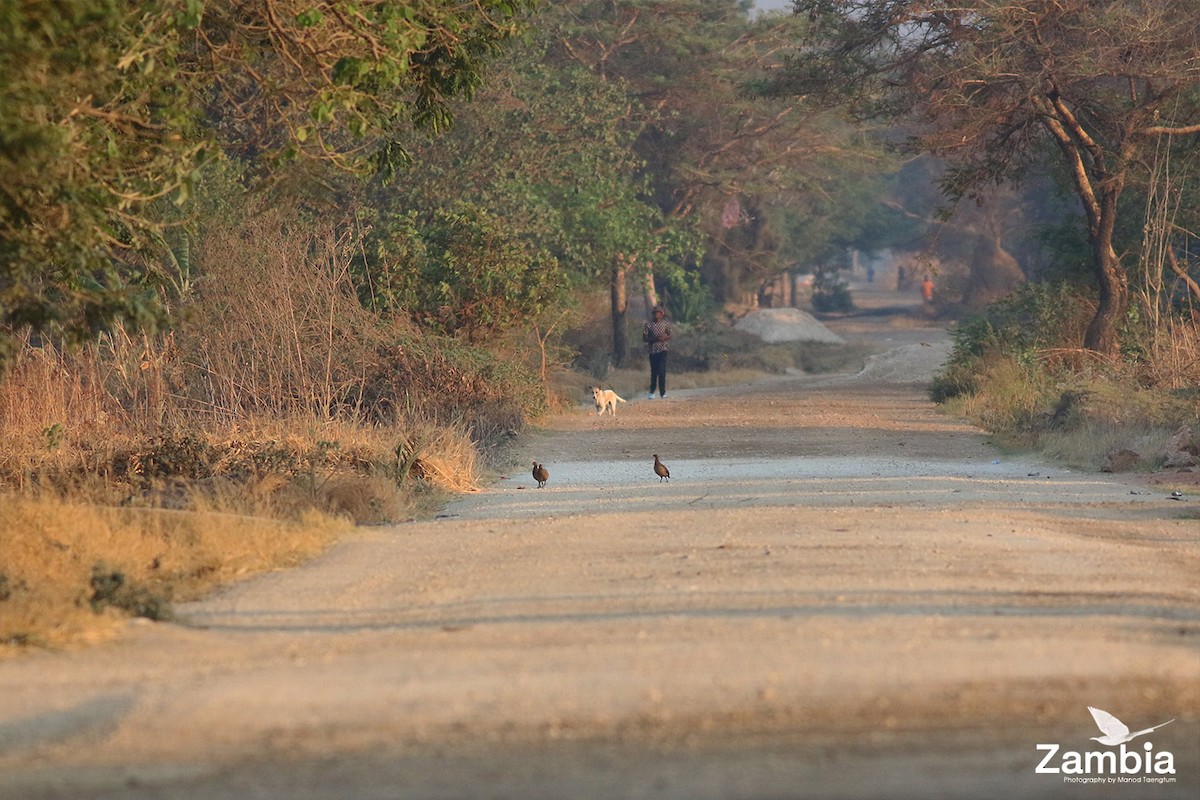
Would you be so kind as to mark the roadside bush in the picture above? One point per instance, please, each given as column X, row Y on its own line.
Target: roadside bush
column 1036, row 327
column 831, row 292
column 1010, row 397
column 276, row 400
column 278, row 328
column 691, row 302
column 1017, row 372
column 454, row 382
column 110, row 587
column 1163, row 352
column 712, row 347
column 460, row 271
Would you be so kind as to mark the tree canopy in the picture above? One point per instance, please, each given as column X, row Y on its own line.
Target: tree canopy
column 610, row 139
column 109, row 106
column 761, row 181
column 988, row 84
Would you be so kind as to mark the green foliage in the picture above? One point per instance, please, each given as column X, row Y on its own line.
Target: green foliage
column 883, row 215
column 53, row 436
column 1037, row 319
column 712, row 145
column 457, row 272
column 478, row 278
column 110, row 107
column 95, row 125
column 993, row 87
column 849, row 202
column 344, row 82
column 830, row 291
column 689, row 300
column 548, row 149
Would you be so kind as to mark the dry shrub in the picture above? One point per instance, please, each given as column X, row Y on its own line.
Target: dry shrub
column 225, row 446
column 1171, row 354
column 1080, row 413
column 454, row 384
column 272, row 330
column 66, row 565
column 371, row 473
column 180, row 506
column 274, row 467
column 275, row 325
column 1008, row 398
column 60, row 412
column 1119, row 404
column 367, row 499
column 1100, row 415
column 1087, row 444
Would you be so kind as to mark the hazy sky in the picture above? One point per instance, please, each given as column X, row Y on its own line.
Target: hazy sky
column 765, row 5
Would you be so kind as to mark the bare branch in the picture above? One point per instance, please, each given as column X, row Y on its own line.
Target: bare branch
column 1168, row 131
column 1074, row 157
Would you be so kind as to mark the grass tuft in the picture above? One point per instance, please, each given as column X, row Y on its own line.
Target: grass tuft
column 72, row 571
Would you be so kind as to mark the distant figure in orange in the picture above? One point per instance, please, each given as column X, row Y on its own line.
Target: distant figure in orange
column 927, row 289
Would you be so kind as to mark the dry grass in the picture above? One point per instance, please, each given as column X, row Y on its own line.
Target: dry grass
column 1077, row 417
column 1008, row 401
column 57, row 581
column 145, row 468
column 1087, row 446
column 1105, row 415
column 250, row 497
column 99, row 471
column 1172, row 354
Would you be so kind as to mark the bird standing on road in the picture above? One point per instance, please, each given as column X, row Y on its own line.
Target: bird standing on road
column 540, row 474
column 660, row 469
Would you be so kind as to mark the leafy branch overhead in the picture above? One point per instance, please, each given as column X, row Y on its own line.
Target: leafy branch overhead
column 348, row 81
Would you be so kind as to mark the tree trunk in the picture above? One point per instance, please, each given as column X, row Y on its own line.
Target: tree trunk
column 649, row 293
column 620, row 304
column 1099, row 191
column 1101, row 334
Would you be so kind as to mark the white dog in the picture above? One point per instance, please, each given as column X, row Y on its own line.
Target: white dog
column 606, row 399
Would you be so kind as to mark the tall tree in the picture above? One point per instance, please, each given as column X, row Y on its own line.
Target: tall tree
column 986, row 83
column 548, row 148
column 714, row 153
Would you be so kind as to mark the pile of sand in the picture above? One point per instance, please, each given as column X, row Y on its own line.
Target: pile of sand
column 911, row 363
column 786, row 325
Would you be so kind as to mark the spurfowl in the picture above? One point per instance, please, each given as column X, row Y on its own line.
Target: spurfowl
column 660, row 469
column 540, row 474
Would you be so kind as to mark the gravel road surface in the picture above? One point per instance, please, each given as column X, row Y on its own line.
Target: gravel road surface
column 841, row 593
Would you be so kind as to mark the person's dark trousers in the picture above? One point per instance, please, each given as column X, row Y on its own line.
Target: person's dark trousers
column 658, row 373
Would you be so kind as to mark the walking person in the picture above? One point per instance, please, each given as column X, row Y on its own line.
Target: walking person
column 657, row 334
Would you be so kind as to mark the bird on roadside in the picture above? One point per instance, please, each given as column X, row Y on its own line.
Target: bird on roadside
column 540, row 474
column 660, row 469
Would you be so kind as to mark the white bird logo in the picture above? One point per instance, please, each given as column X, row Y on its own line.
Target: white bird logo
column 1115, row 731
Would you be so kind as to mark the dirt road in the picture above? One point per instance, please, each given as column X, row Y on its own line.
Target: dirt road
column 840, row 593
